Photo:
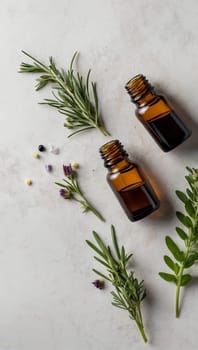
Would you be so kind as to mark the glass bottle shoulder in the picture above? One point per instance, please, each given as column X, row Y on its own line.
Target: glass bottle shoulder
column 155, row 108
column 121, row 167
column 128, row 176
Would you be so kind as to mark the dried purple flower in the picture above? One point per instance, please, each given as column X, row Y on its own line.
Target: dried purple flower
column 67, row 169
column 70, row 189
column 98, row 284
column 64, row 193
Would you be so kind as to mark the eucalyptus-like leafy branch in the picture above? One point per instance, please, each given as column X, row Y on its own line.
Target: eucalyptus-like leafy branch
column 184, row 258
column 129, row 292
column 74, row 97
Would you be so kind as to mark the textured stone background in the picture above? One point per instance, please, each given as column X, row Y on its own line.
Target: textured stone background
column 47, row 301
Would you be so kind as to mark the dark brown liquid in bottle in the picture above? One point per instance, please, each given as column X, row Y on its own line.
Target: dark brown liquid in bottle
column 164, row 125
column 168, row 131
column 139, row 202
column 134, row 194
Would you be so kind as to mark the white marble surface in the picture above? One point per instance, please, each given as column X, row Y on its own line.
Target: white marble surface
column 47, row 301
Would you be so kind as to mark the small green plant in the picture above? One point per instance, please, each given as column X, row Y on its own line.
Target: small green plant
column 184, row 258
column 73, row 96
column 129, row 292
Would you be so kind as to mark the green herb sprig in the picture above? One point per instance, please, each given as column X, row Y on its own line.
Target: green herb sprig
column 128, row 293
column 70, row 189
column 186, row 257
column 73, row 97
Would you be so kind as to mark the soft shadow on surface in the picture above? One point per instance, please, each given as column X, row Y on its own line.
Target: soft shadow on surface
column 191, row 144
column 149, row 304
column 193, row 282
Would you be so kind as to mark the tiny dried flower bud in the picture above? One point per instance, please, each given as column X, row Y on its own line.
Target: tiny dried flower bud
column 67, row 169
column 98, row 284
column 35, row 155
column 64, row 193
column 48, row 168
column 28, row 182
column 75, row 165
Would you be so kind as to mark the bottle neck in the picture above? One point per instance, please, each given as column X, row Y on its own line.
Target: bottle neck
column 140, row 90
column 113, row 154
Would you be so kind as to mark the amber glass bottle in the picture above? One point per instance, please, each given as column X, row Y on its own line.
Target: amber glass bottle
column 164, row 125
column 134, row 194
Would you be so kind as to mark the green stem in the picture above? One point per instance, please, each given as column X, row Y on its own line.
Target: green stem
column 86, row 204
column 34, row 59
column 177, row 302
column 88, row 117
column 142, row 332
column 189, row 243
column 139, row 323
column 103, row 130
column 94, row 211
column 85, row 113
column 180, row 274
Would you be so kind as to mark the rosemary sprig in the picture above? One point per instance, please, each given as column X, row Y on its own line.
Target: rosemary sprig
column 128, row 293
column 184, row 259
column 73, row 97
column 70, row 189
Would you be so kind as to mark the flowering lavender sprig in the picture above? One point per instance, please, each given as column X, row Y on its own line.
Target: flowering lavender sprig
column 70, row 189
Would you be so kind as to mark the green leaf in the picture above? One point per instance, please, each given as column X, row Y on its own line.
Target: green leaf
column 128, row 258
column 190, row 194
column 190, row 209
column 100, row 244
column 29, row 68
column 170, row 263
column 185, row 220
column 168, row 277
column 118, row 301
column 181, row 195
column 111, row 259
column 123, row 255
column 101, row 262
column 73, row 92
column 191, row 260
column 119, row 306
column 181, row 233
column 189, row 180
column 177, row 253
column 41, row 84
column 101, row 275
column 177, row 268
column 91, row 245
column 185, row 280
column 128, row 291
column 95, row 99
column 115, row 242
column 189, row 169
column 143, row 295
